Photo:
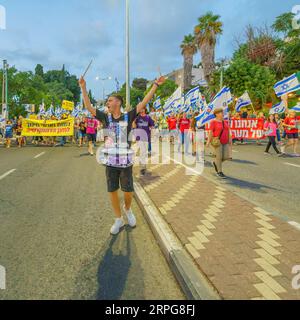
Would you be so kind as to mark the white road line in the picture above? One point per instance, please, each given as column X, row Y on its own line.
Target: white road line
column 39, row 155
column 292, row 165
column 235, row 151
column 295, row 224
column 7, row 174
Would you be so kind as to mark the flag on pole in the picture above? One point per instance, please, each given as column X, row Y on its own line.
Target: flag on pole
column 287, row 85
column 243, row 101
column 221, row 100
column 278, row 108
column 174, row 97
column 42, row 109
column 157, row 104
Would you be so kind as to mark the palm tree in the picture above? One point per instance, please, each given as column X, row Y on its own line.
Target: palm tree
column 188, row 51
column 206, row 33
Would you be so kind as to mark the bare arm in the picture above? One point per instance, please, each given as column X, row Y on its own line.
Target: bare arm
column 142, row 105
column 86, row 99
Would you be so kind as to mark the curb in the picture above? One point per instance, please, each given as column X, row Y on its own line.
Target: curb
column 193, row 283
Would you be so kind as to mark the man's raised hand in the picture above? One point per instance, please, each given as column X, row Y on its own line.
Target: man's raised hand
column 161, row 80
column 82, row 83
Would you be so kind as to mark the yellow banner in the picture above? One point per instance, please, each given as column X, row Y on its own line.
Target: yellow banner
column 68, row 105
column 48, row 128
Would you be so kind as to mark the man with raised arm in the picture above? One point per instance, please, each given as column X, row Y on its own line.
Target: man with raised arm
column 119, row 175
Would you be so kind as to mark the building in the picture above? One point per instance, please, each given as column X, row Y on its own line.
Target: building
column 197, row 76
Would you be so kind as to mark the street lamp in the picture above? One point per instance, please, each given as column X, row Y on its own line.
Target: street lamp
column 103, row 79
column 127, row 54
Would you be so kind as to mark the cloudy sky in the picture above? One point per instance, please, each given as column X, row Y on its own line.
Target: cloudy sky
column 73, row 32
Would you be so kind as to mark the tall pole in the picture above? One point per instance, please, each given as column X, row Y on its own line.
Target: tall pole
column 6, row 89
column 127, row 56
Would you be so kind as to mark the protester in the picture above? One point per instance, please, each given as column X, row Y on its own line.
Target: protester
column 220, row 139
column 119, row 175
column 82, row 132
column 20, row 139
column 271, row 127
column 172, row 123
column 9, row 127
column 184, row 127
column 290, row 124
column 91, row 127
column 144, row 122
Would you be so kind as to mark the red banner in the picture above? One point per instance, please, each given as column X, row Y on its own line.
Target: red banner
column 248, row 129
column 251, row 129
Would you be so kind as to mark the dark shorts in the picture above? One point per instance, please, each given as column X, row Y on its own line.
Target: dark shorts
column 293, row 135
column 117, row 177
column 92, row 137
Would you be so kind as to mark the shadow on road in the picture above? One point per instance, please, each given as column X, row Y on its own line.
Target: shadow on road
column 244, row 162
column 248, row 185
column 114, row 274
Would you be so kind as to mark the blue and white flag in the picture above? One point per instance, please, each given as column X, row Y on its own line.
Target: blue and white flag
column 287, row 85
column 173, row 98
column 296, row 108
column 157, row 104
column 243, row 101
column 221, row 100
column 58, row 112
column 76, row 112
column 278, row 108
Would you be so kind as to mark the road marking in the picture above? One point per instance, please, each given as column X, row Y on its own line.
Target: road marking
column 292, row 165
column 7, row 174
column 235, row 151
column 39, row 155
column 294, row 224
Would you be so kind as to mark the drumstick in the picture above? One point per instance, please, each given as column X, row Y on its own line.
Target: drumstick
column 87, row 69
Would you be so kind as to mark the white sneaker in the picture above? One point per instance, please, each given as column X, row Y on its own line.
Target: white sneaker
column 131, row 217
column 115, row 229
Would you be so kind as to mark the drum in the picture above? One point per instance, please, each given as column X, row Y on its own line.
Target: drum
column 118, row 157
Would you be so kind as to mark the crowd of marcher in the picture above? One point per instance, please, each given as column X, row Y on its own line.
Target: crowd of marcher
column 281, row 132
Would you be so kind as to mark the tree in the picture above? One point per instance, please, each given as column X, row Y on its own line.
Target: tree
column 39, row 70
column 206, row 33
column 188, row 50
column 284, row 24
column 140, row 84
column 243, row 75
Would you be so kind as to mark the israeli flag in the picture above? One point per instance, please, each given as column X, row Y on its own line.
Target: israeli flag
column 174, row 97
column 76, row 112
column 243, row 101
column 27, row 108
column 157, row 104
column 58, row 112
column 42, row 109
column 278, row 108
column 221, row 100
column 287, row 85
column 296, row 108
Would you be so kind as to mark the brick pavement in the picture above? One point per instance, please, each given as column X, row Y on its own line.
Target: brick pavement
column 245, row 252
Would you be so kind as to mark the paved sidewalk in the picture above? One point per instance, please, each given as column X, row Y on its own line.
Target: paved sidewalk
column 244, row 251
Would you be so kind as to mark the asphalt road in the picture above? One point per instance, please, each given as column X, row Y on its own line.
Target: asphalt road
column 55, row 218
column 271, row 182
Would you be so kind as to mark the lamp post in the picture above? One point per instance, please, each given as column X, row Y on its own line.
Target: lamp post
column 127, row 54
column 103, row 79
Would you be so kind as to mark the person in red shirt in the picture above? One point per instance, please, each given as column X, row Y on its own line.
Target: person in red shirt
column 184, row 127
column 172, row 124
column 219, row 128
column 290, row 125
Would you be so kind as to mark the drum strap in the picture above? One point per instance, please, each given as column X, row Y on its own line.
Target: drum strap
column 112, row 127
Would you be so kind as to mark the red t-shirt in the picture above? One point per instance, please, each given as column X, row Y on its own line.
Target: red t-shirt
column 216, row 127
column 184, row 124
column 172, row 123
column 291, row 122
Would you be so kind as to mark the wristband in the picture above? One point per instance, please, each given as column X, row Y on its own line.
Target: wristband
column 156, row 84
